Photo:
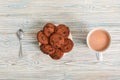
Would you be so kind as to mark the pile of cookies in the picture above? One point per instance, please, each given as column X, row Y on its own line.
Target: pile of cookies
column 54, row 40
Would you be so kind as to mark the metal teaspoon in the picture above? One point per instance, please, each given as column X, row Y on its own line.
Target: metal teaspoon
column 20, row 34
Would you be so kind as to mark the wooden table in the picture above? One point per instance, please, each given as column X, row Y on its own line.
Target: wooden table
column 81, row 16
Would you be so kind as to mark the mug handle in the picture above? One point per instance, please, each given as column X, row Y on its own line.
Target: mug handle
column 99, row 56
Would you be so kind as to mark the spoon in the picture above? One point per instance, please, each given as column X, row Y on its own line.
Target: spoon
column 20, row 34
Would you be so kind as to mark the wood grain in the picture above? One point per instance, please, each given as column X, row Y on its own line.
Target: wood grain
column 81, row 16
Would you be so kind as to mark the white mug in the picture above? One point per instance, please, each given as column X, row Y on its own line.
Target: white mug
column 93, row 39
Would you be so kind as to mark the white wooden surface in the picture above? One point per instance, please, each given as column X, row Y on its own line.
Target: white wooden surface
column 81, row 16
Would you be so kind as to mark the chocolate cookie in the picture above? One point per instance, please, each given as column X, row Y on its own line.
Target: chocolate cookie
column 42, row 38
column 68, row 45
column 47, row 49
column 56, row 40
column 48, row 29
column 57, row 55
column 63, row 30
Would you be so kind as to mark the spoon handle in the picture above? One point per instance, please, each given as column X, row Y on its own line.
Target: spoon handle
column 20, row 52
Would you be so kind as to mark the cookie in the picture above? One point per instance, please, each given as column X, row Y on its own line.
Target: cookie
column 48, row 29
column 56, row 40
column 57, row 55
column 63, row 30
column 47, row 49
column 68, row 45
column 42, row 38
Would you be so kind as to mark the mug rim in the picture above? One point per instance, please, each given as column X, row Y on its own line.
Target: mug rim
column 88, row 35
